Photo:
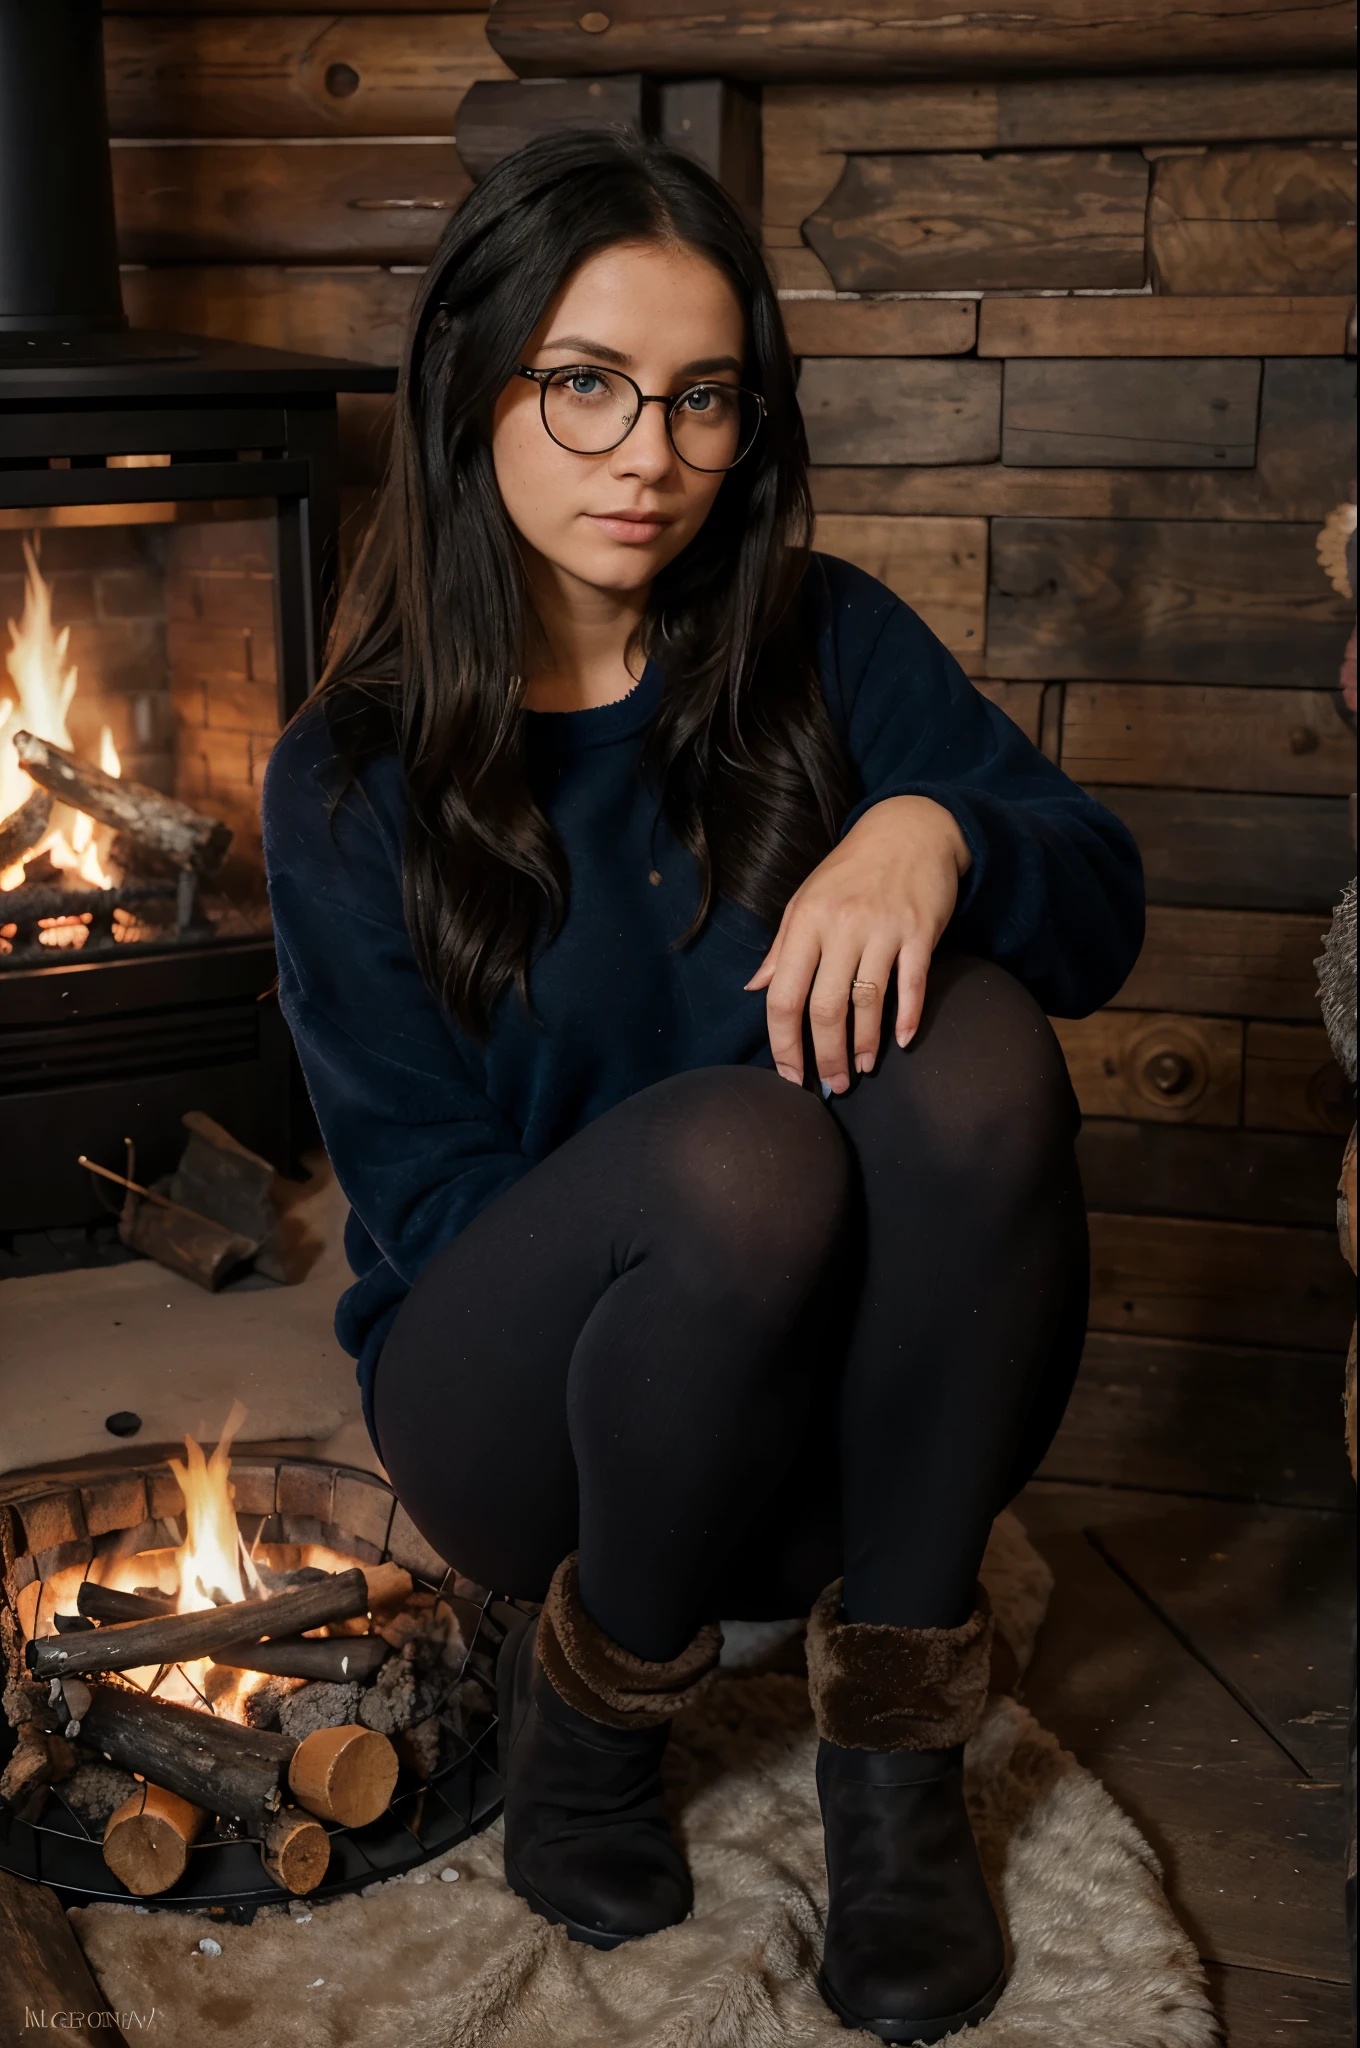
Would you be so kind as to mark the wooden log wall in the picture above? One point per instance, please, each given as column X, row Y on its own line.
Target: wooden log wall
column 1072, row 298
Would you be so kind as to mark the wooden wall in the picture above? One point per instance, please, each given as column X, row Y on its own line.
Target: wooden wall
column 1074, row 365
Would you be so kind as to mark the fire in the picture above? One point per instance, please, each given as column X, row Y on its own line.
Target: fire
column 45, row 686
column 212, row 1561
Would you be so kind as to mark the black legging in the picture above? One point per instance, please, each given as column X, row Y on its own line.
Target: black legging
column 731, row 1342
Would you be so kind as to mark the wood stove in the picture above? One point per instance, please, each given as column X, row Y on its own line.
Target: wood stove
column 168, row 538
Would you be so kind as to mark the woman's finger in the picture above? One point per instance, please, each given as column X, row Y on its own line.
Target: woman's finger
column 827, row 1006
column 764, row 973
column 867, row 992
column 786, row 998
column 913, row 964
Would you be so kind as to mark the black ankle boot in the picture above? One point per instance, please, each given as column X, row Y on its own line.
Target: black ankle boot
column 913, row 1948
column 583, row 1728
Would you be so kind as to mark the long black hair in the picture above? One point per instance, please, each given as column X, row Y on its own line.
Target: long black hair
column 427, row 651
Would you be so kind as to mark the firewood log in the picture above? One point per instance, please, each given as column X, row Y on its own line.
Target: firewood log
column 106, row 1603
column 215, row 1764
column 23, row 828
column 175, row 1638
column 184, row 835
column 337, row 1658
column 295, row 1850
column 344, row 1774
column 27, row 1775
column 147, row 1841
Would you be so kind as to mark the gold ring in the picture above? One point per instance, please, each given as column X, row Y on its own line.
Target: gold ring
column 863, row 991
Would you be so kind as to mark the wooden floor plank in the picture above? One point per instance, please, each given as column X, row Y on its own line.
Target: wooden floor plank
column 1253, row 1852
column 1266, row 1597
column 1260, row 2009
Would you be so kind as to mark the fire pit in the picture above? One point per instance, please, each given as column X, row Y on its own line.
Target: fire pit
column 232, row 1679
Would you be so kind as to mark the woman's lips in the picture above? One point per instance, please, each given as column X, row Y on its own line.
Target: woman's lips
column 634, row 529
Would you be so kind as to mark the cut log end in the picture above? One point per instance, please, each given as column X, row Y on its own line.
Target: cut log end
column 296, row 1850
column 148, row 1839
column 345, row 1774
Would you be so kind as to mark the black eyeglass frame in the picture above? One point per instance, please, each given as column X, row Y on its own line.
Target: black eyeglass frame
column 544, row 377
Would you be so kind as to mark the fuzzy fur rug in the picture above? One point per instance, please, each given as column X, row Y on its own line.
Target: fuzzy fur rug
column 1098, row 1958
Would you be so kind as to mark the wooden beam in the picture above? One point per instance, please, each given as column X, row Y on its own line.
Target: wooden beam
column 900, row 410
column 1230, row 963
column 45, row 1972
column 1212, row 848
column 1049, row 219
column 1124, row 412
column 1254, row 220
column 1178, row 735
column 1194, row 1170
column 1304, row 466
column 939, row 566
column 1162, row 1069
column 1292, row 1082
column 1140, row 600
column 909, row 38
column 1144, row 326
column 1179, row 1416
column 498, row 116
column 279, row 202
column 1232, row 1283
column 331, row 311
column 277, row 73
column 880, row 327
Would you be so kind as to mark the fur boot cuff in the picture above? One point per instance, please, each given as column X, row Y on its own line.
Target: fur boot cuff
column 878, row 1687
column 602, row 1680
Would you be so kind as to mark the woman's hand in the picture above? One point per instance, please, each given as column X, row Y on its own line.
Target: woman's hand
column 880, row 900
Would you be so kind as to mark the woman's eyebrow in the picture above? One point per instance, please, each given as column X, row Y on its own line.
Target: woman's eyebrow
column 600, row 352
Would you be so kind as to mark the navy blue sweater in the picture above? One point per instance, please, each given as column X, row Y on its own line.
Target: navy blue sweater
column 425, row 1127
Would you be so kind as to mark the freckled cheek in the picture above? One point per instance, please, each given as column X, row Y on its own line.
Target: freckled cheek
column 539, row 484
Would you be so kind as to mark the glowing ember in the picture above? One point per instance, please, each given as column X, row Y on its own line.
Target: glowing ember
column 37, row 667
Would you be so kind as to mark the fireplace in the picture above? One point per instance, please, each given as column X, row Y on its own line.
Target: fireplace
column 168, row 536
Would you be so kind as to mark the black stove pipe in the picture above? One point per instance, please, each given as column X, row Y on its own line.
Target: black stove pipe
column 58, row 244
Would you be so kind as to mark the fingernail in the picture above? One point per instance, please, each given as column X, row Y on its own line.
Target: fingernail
column 905, row 1038
column 864, row 1063
column 790, row 1074
column 827, row 1091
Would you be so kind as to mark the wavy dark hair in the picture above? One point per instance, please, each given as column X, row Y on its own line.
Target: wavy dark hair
column 427, row 650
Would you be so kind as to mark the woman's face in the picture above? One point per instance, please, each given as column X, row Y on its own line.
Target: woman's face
column 668, row 318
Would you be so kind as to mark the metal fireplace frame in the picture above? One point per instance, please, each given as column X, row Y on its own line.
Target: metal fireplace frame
column 90, row 1053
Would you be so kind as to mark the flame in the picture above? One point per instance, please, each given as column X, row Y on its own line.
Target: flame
column 211, row 1561
column 45, row 686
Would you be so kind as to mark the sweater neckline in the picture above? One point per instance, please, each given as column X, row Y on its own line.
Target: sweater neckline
column 602, row 724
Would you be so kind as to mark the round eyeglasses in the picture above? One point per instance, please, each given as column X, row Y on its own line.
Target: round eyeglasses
column 591, row 411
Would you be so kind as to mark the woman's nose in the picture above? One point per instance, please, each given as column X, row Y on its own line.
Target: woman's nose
column 647, row 452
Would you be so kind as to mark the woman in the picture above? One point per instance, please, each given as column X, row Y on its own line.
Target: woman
column 666, row 927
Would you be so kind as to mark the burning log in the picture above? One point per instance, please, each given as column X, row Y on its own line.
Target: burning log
column 177, row 1638
column 162, row 823
column 105, row 1603
column 344, row 1774
column 147, row 1841
column 337, row 1658
column 295, row 1850
column 23, row 828
column 212, row 1763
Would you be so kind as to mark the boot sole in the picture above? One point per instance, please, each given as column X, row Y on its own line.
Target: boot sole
column 594, row 1937
column 908, row 2033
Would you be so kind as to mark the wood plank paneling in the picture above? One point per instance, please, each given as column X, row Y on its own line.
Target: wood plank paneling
column 290, row 73
column 1130, row 412
column 1198, row 326
column 1164, row 1069
column 339, row 312
column 904, row 38
column 1293, row 1083
column 1233, row 963
column 1261, row 2008
column 1193, row 1170
column 1254, row 220
column 886, row 327
column 1021, row 702
column 1304, row 465
column 1164, row 1413
column 1231, row 1283
column 1048, row 219
column 900, row 409
column 938, row 565
column 498, row 116
column 1180, row 736
column 1193, row 602
column 326, row 202
column 1210, row 847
